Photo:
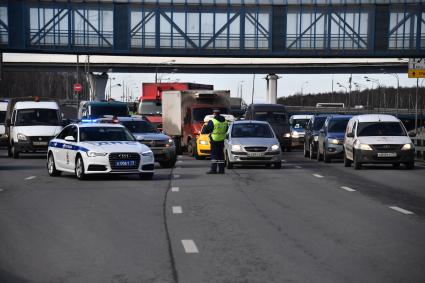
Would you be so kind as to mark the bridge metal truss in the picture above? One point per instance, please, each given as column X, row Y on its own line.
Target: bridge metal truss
column 351, row 30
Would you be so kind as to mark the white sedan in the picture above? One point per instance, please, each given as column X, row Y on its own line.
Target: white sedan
column 98, row 149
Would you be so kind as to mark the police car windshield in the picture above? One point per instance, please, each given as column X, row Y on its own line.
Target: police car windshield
column 37, row 117
column 380, row 129
column 338, row 125
column 105, row 134
column 139, row 126
column 251, row 130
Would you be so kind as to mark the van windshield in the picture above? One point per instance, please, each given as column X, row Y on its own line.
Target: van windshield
column 338, row 125
column 318, row 123
column 150, row 108
column 380, row 129
column 299, row 123
column 37, row 117
column 270, row 116
column 120, row 110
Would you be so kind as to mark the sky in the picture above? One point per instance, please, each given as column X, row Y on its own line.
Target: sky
column 288, row 84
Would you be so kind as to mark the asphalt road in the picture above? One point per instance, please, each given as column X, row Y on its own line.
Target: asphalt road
column 306, row 222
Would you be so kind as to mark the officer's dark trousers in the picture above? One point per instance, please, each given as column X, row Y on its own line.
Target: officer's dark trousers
column 217, row 156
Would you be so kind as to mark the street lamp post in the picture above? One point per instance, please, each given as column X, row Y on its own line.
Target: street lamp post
column 398, row 86
column 342, row 86
column 162, row 63
column 376, row 81
column 302, row 87
column 359, row 86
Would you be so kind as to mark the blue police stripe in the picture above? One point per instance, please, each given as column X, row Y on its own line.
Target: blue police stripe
column 67, row 146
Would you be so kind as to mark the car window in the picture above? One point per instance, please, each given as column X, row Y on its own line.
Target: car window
column 139, row 126
column 252, row 130
column 204, row 129
column 380, row 129
column 105, row 134
column 337, row 125
column 74, row 132
column 64, row 133
column 318, row 123
column 36, row 117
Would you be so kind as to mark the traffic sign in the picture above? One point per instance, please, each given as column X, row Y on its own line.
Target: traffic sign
column 416, row 68
column 78, row 87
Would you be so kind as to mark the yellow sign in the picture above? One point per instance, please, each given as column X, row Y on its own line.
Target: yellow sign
column 416, row 68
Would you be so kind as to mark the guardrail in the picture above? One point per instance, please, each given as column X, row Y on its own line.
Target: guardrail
column 419, row 142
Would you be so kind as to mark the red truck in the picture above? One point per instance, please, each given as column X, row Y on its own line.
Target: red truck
column 150, row 104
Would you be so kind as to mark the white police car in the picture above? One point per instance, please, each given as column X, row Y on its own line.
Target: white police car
column 98, row 149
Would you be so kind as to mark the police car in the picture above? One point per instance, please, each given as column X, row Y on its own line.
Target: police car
column 85, row 149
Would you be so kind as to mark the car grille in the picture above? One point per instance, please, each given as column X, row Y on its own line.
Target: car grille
column 95, row 167
column 148, row 167
column 124, row 156
column 255, row 148
column 152, row 143
column 40, row 138
column 387, row 147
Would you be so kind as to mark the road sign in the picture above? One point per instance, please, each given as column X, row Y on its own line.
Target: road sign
column 78, row 87
column 416, row 68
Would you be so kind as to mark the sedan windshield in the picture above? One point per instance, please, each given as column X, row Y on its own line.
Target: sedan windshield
column 139, row 126
column 338, row 125
column 105, row 134
column 380, row 129
column 252, row 130
column 37, row 117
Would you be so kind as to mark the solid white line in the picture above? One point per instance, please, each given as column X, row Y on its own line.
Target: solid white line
column 348, row 189
column 177, row 210
column 30, row 178
column 298, row 167
column 176, row 176
column 175, row 189
column 401, row 210
column 317, row 175
column 190, row 247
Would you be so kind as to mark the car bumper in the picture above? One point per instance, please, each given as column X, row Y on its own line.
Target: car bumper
column 244, row 158
column 102, row 165
column 371, row 156
column 335, row 150
column 164, row 153
column 30, row 146
column 297, row 141
column 203, row 149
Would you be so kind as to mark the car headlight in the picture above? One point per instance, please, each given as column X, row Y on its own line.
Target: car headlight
column 295, row 134
column 148, row 153
column 22, row 137
column 236, row 147
column 316, row 138
column 407, row 146
column 287, row 135
column 170, row 142
column 95, row 154
column 333, row 141
column 275, row 147
column 365, row 147
column 203, row 142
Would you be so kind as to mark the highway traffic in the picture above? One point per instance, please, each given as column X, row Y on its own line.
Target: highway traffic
column 305, row 222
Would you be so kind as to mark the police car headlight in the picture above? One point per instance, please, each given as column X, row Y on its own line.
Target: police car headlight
column 95, row 154
column 275, row 147
column 22, row 137
column 236, row 147
column 203, row 142
column 407, row 146
column 147, row 153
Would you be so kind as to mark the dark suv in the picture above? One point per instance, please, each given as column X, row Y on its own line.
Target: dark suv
column 311, row 137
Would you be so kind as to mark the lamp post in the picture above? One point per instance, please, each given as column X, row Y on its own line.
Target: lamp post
column 302, row 87
column 358, row 86
column 398, row 86
column 169, row 62
column 342, row 86
column 376, row 81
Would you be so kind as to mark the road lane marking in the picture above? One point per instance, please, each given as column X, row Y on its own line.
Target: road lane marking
column 190, row 247
column 176, row 176
column 284, row 161
column 177, row 210
column 401, row 210
column 175, row 189
column 298, row 167
column 179, row 161
column 30, row 178
column 348, row 189
column 1, row 190
column 317, row 175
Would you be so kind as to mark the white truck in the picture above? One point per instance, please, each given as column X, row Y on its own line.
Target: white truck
column 3, row 136
column 31, row 124
column 183, row 113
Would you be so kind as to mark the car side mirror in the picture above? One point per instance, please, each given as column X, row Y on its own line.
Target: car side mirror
column 412, row 135
column 8, row 122
column 350, row 135
column 69, row 139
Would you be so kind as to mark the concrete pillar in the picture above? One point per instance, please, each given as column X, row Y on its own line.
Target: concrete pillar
column 272, row 88
column 97, row 85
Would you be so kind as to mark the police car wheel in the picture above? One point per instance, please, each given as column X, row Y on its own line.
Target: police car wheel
column 51, row 167
column 79, row 168
column 146, row 176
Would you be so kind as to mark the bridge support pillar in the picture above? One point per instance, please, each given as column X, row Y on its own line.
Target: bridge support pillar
column 272, row 88
column 97, row 86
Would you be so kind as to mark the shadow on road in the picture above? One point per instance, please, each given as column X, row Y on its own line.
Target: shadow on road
column 8, row 277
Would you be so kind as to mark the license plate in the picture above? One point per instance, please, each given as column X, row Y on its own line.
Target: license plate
column 39, row 143
column 125, row 163
column 255, row 154
column 387, row 154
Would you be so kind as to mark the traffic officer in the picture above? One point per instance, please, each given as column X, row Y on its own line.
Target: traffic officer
column 217, row 128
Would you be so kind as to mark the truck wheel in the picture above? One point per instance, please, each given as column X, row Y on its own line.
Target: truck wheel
column 168, row 163
column 306, row 152
column 15, row 152
column 146, row 176
column 51, row 167
column 79, row 168
column 347, row 162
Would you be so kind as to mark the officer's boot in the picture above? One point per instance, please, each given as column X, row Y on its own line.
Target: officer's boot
column 221, row 168
column 213, row 168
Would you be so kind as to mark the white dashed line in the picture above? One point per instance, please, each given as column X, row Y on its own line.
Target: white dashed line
column 176, row 176
column 284, row 161
column 175, row 189
column 30, row 178
column 298, row 167
column 1, row 190
column 348, row 189
column 177, row 210
column 317, row 175
column 179, row 161
column 190, row 247
column 401, row 210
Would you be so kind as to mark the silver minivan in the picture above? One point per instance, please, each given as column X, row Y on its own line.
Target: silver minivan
column 377, row 138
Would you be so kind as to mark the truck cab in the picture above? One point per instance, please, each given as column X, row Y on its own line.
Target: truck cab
column 32, row 124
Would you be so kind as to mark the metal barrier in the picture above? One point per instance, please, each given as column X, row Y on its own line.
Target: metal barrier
column 419, row 142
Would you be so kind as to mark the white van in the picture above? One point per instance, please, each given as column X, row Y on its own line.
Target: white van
column 32, row 124
column 377, row 138
column 3, row 136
